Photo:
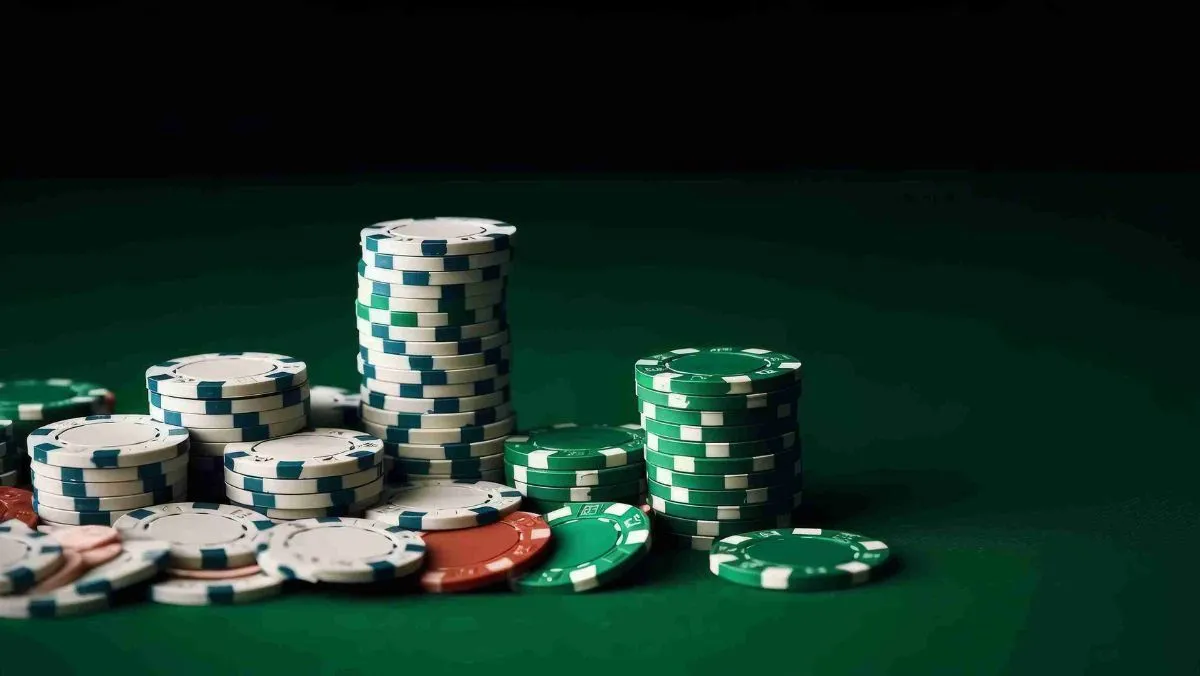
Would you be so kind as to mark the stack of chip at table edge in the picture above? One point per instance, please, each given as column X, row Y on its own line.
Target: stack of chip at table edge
column 29, row 403
column 434, row 346
column 722, row 449
column 227, row 397
column 569, row 463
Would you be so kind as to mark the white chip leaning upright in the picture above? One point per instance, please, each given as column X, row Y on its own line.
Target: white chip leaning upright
column 202, row 535
column 311, row 454
column 446, row 505
column 106, row 441
column 438, row 236
column 341, row 549
column 225, row 375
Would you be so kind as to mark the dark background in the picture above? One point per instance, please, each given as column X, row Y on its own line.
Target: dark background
column 128, row 89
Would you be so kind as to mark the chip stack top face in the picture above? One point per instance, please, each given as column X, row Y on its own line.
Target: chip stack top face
column 439, row 236
column 226, row 375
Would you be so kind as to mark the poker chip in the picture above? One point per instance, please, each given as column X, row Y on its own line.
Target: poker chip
column 717, row 371
column 106, row 441
column 766, row 462
column 82, row 538
column 781, row 475
column 311, row 454
column 444, row 292
column 340, row 549
column 334, row 407
column 266, row 402
column 576, row 447
column 229, row 435
column 17, row 503
column 336, row 498
column 201, row 535
column 182, row 591
column 69, row 517
column 137, row 473
column 434, row 335
column 326, row 484
column 727, row 512
column 424, row 278
column 494, row 475
column 441, row 405
column 138, row 562
column 748, row 416
column 798, row 559
column 49, row 399
column 462, row 560
column 410, row 391
column 384, row 422
column 702, row 543
column 746, row 496
column 682, row 526
column 459, row 435
column 218, row 574
column 740, row 449
column 276, row 514
column 733, row 402
column 445, row 505
column 456, row 306
column 169, row 493
column 388, row 261
column 449, row 468
column 441, row 236
column 432, row 377
column 733, row 433
column 445, row 451
column 596, row 543
column 608, row 493
column 26, row 557
column 108, row 489
column 441, row 350
column 584, row 477
column 426, row 320
column 250, row 419
column 411, row 362
column 226, row 375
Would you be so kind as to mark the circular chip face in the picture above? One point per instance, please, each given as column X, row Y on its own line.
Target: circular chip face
column 461, row 560
column 583, row 477
column 151, row 471
column 445, row 451
column 735, row 433
column 106, row 441
column 758, row 463
column 445, row 505
column 385, row 423
column 683, row 526
column 226, row 375
column 201, row 535
column 798, row 559
column 439, row 236
column 441, row 405
column 732, row 402
column 334, row 407
column 426, row 320
column 428, row 305
column 192, row 592
column 610, row 493
column 341, row 550
column 50, row 398
column 748, row 416
column 452, row 377
column 266, row 402
column 26, row 557
column 436, row 263
column 761, row 510
column 347, row 496
column 412, row 348
column 595, row 543
column 717, row 371
column 327, row 484
column 17, row 503
column 410, row 362
column 439, row 335
column 573, row 447
column 737, row 449
column 311, row 454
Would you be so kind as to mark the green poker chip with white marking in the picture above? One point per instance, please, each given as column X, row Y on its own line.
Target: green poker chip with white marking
column 574, row 447
column 731, row 402
column 782, row 474
column 427, row 319
column 798, row 559
column 735, row 433
column 717, row 371
column 582, row 493
column 761, row 510
column 50, row 399
column 717, row 498
column 682, row 526
column 713, row 449
column 595, row 543
column 687, row 464
column 582, row 477
column 750, row 416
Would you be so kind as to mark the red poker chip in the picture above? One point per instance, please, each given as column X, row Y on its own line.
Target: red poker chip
column 470, row 558
column 17, row 503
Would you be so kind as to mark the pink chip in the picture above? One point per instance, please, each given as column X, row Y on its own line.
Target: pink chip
column 225, row 574
column 83, row 538
column 103, row 554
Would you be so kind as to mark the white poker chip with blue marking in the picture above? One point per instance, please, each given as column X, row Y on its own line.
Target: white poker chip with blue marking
column 454, row 435
column 339, row 549
column 465, row 450
column 225, row 375
column 266, row 402
column 387, row 261
column 421, row 278
column 169, row 493
column 413, row 362
column 438, row 236
column 311, row 454
column 427, row 305
column 202, row 535
column 182, row 591
column 70, row 517
column 430, row 349
column 74, row 475
column 229, row 435
column 443, row 377
column 430, row 334
column 249, row 419
column 445, row 292
column 277, row 514
column 334, row 407
column 412, row 391
column 26, row 557
column 438, row 405
column 380, row 419
column 445, row 505
column 347, row 496
column 294, row 486
column 106, row 441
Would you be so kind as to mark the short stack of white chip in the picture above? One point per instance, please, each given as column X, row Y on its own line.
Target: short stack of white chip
column 224, row 398
column 434, row 345
column 93, row 470
column 323, row 472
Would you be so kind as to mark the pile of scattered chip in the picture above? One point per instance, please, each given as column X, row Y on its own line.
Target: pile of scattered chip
column 569, row 463
column 93, row 470
column 324, row 472
column 434, row 345
column 228, row 397
column 722, row 452
column 26, row 405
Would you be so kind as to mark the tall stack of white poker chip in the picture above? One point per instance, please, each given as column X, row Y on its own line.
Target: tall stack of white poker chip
column 434, row 345
column 224, row 398
column 95, row 469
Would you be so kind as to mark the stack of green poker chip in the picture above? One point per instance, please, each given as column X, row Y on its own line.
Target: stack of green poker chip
column 27, row 404
column 574, row 464
column 722, row 446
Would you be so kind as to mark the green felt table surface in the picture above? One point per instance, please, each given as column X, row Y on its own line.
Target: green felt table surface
column 1000, row 382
